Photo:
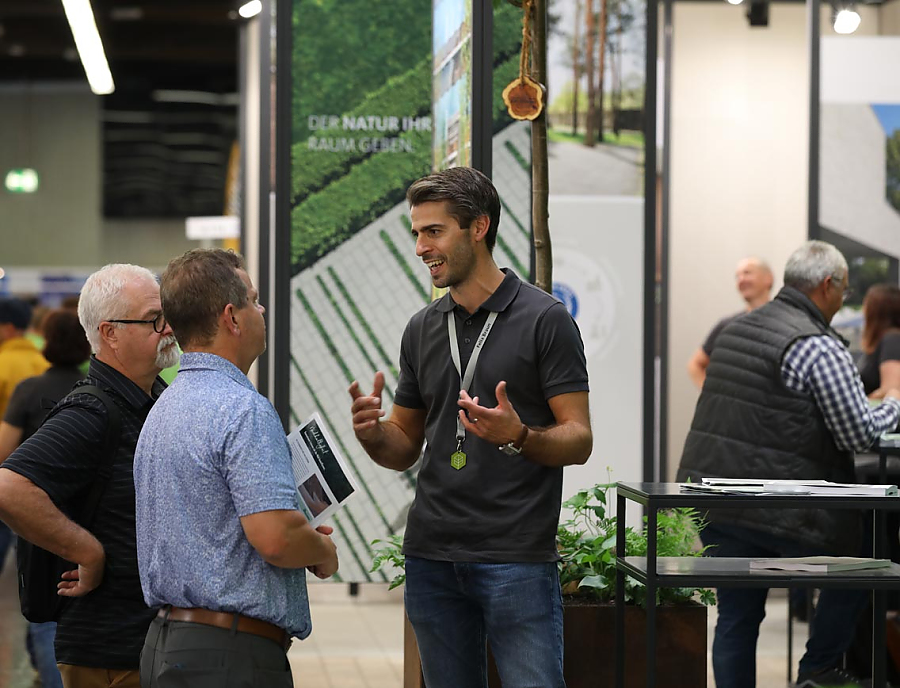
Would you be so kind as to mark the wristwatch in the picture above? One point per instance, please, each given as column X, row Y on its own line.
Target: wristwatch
column 514, row 448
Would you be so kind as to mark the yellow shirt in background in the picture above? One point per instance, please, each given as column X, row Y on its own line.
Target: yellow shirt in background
column 19, row 359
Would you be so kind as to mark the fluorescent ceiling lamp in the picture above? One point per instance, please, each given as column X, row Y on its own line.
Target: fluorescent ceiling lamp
column 250, row 9
column 735, row 2
column 90, row 47
column 846, row 21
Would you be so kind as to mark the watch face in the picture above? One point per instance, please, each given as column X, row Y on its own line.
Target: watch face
column 510, row 450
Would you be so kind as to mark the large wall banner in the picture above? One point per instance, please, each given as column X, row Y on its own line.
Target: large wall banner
column 363, row 129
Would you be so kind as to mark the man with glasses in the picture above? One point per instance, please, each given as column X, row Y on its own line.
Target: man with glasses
column 783, row 400
column 102, row 626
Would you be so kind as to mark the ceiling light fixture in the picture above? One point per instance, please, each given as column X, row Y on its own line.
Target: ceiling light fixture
column 846, row 20
column 735, row 2
column 250, row 9
column 90, row 47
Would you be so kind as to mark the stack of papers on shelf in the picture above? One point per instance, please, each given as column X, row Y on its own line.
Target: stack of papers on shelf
column 789, row 487
column 819, row 564
column 890, row 439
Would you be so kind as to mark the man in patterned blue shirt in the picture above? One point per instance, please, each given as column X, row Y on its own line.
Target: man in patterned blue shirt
column 783, row 399
column 222, row 545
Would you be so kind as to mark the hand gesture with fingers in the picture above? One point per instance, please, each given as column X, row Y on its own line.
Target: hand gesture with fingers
column 498, row 425
column 366, row 410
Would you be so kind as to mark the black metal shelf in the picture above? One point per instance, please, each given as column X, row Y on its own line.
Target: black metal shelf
column 681, row 572
column 732, row 572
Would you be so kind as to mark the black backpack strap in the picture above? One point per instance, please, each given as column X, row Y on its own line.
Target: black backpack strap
column 108, row 453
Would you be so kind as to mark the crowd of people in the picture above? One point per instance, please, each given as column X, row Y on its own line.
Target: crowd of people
column 192, row 569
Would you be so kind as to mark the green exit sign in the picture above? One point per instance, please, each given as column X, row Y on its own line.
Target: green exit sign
column 24, row 180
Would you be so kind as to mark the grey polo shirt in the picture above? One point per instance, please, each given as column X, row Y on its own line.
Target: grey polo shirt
column 497, row 508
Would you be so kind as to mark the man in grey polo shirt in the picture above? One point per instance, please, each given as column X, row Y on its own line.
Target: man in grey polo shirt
column 480, row 542
column 221, row 543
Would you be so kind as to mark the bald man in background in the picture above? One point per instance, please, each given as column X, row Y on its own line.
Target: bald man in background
column 754, row 281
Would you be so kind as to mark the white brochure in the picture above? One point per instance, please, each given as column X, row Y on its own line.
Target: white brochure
column 320, row 472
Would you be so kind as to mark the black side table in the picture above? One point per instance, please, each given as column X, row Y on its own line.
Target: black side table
column 677, row 572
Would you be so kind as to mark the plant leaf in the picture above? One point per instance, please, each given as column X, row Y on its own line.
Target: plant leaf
column 596, row 582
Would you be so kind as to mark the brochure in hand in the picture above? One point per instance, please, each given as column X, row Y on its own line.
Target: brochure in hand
column 320, row 472
column 819, row 564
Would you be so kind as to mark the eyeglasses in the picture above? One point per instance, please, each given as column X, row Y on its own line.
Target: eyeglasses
column 159, row 323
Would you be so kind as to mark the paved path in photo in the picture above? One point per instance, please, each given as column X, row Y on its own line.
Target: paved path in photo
column 606, row 170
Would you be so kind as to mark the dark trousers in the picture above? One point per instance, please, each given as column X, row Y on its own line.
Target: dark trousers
column 179, row 654
column 741, row 610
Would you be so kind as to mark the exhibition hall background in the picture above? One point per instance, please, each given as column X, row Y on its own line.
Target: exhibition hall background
column 732, row 122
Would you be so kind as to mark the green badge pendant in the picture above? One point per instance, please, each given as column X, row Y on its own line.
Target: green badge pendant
column 458, row 459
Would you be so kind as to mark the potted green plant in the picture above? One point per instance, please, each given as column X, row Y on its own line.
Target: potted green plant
column 587, row 546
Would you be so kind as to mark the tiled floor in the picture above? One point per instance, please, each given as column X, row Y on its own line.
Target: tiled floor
column 357, row 642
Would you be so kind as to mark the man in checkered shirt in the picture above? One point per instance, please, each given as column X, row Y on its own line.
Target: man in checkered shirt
column 783, row 400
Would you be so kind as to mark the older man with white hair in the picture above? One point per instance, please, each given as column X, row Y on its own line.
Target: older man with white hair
column 783, row 399
column 101, row 627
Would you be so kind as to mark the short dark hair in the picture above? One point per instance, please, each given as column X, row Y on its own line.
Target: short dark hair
column 65, row 341
column 16, row 312
column 469, row 194
column 196, row 288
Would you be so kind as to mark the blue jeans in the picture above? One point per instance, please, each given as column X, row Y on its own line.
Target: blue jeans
column 40, row 646
column 741, row 610
column 455, row 607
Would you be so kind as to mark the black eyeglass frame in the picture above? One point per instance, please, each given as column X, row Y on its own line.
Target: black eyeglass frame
column 159, row 318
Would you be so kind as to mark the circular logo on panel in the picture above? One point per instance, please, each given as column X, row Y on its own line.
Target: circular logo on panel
column 590, row 291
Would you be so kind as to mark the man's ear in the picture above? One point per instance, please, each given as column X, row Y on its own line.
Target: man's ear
column 109, row 333
column 229, row 320
column 480, row 226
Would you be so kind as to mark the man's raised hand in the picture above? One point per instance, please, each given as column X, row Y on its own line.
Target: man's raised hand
column 366, row 410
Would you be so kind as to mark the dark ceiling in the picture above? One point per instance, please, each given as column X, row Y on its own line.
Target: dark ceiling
column 169, row 127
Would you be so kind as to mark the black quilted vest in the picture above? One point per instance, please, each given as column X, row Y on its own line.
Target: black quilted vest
column 747, row 424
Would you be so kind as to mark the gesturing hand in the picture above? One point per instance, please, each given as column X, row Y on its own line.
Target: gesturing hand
column 367, row 410
column 498, row 425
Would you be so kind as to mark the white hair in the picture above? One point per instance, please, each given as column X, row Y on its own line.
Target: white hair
column 810, row 264
column 101, row 297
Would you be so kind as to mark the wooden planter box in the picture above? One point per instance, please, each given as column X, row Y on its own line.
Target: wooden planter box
column 590, row 645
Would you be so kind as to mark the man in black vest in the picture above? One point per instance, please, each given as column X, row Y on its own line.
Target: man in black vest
column 783, row 400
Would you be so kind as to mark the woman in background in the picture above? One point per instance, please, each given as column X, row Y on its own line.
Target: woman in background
column 879, row 368
column 66, row 348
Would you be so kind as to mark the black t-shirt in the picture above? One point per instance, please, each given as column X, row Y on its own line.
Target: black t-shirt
column 888, row 349
column 498, row 508
column 33, row 398
column 106, row 627
column 710, row 340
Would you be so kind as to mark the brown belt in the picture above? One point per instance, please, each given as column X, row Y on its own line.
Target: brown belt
column 245, row 624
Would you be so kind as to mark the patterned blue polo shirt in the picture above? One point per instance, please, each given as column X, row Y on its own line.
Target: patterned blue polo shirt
column 211, row 451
